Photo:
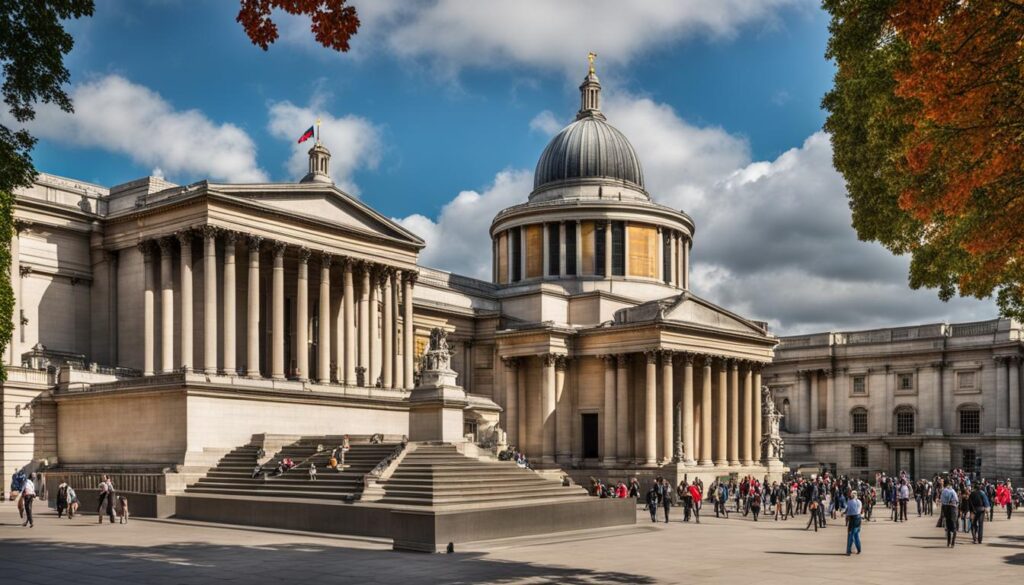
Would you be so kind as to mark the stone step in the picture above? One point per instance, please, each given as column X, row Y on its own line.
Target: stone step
column 518, row 499
column 471, row 491
column 268, row 493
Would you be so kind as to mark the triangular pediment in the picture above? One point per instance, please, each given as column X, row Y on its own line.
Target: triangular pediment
column 327, row 204
column 691, row 309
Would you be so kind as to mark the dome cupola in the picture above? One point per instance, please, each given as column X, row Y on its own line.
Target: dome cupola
column 589, row 152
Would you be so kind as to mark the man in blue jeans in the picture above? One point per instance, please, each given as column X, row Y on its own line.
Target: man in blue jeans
column 853, row 510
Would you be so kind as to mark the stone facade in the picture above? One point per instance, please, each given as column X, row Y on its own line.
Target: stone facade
column 160, row 325
column 924, row 398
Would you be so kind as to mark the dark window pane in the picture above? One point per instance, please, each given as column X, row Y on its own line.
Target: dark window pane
column 517, row 254
column 666, row 258
column 905, row 422
column 554, row 250
column 599, row 250
column 618, row 248
column 970, row 421
column 570, row 248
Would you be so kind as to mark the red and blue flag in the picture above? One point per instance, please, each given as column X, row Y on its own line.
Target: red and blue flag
column 306, row 135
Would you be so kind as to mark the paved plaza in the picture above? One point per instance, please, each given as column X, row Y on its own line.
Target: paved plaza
column 159, row 552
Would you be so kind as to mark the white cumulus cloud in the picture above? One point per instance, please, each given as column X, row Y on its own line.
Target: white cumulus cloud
column 354, row 141
column 114, row 114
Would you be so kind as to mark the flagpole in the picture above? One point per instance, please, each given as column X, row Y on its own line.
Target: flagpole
column 318, row 130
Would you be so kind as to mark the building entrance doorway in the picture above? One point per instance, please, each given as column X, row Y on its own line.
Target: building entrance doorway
column 589, row 426
column 904, row 461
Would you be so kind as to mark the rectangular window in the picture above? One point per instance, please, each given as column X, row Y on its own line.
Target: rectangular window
column 859, row 457
column 517, row 254
column 965, row 380
column 554, row 250
column 905, row 422
column 859, row 386
column 503, row 258
column 534, row 251
column 968, row 460
column 860, row 421
column 570, row 248
column 618, row 248
column 970, row 421
column 905, row 381
column 643, row 250
column 599, row 251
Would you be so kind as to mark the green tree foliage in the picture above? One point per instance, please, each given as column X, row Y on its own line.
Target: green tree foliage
column 33, row 44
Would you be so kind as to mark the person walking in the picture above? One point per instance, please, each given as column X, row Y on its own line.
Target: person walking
column 979, row 506
column 62, row 498
column 666, row 497
column 698, row 499
column 683, row 492
column 853, row 518
column 102, row 499
column 28, row 495
column 949, row 500
column 904, row 497
column 652, row 501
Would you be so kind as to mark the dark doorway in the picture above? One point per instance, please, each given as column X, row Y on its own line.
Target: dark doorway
column 590, row 435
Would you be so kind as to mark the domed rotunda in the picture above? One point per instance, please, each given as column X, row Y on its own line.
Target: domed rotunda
column 589, row 223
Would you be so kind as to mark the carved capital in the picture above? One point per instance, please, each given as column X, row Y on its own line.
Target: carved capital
column 688, row 358
column 209, row 231
column 253, row 242
column 166, row 245
column 651, row 356
column 550, row 359
column 608, row 359
column 411, row 277
column 668, row 354
column 622, row 360
column 230, row 238
column 562, row 363
column 146, row 247
column 510, row 362
column 21, row 225
column 734, row 365
column 279, row 248
column 25, row 270
column 185, row 237
column 325, row 260
column 304, row 254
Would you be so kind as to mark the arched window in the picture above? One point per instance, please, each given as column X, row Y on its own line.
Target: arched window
column 859, row 420
column 905, row 420
column 785, row 414
column 970, row 419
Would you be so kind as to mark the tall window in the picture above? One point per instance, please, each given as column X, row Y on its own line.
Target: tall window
column 859, row 420
column 859, row 456
column 554, row 249
column 666, row 256
column 905, row 381
column 570, row 248
column 599, row 248
column 970, row 420
column 904, row 421
column 517, row 254
column 968, row 460
column 859, row 385
column 618, row 248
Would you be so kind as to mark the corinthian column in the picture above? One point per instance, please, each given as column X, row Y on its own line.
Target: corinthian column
column 689, row 453
column 364, row 322
column 667, row 400
column 230, row 292
column 166, row 305
column 277, row 314
column 252, row 329
column 1014, row 393
column 210, row 299
column 734, row 413
column 547, row 409
column 747, row 401
column 608, row 455
column 756, row 446
column 705, row 415
column 408, row 330
column 651, row 408
column 348, row 309
column 622, row 408
column 563, row 412
column 148, row 308
column 323, row 360
column 721, row 409
column 374, row 374
column 387, row 379
column 185, row 286
column 1002, row 394
column 511, row 400
column 302, row 317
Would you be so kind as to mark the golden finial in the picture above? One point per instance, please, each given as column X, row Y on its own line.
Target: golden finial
column 590, row 57
column 318, row 129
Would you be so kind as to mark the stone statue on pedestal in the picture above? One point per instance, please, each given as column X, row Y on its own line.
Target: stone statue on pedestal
column 772, row 445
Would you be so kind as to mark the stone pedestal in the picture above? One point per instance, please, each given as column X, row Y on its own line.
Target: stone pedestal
column 437, row 404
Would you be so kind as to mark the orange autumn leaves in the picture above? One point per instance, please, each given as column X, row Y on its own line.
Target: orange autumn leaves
column 964, row 154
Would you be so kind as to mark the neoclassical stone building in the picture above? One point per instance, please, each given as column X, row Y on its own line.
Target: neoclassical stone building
column 925, row 399
column 159, row 326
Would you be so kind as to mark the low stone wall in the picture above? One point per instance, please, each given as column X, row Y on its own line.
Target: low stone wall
column 139, row 505
column 306, row 515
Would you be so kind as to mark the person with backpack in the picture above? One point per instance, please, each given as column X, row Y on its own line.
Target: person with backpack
column 979, row 505
column 652, row 501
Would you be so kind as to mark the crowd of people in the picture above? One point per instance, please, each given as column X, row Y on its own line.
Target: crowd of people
column 26, row 488
column 964, row 502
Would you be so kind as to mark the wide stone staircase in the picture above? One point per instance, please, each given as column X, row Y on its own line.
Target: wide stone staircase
column 439, row 475
column 232, row 476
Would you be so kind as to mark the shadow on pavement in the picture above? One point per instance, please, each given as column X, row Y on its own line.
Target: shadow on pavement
column 199, row 562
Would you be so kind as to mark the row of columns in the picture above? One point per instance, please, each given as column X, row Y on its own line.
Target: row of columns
column 353, row 364
column 714, row 419
column 678, row 249
column 1008, row 404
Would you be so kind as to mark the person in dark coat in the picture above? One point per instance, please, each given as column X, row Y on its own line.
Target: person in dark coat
column 666, row 497
column 653, row 495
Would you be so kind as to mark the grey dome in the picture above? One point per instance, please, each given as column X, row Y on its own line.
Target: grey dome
column 589, row 148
